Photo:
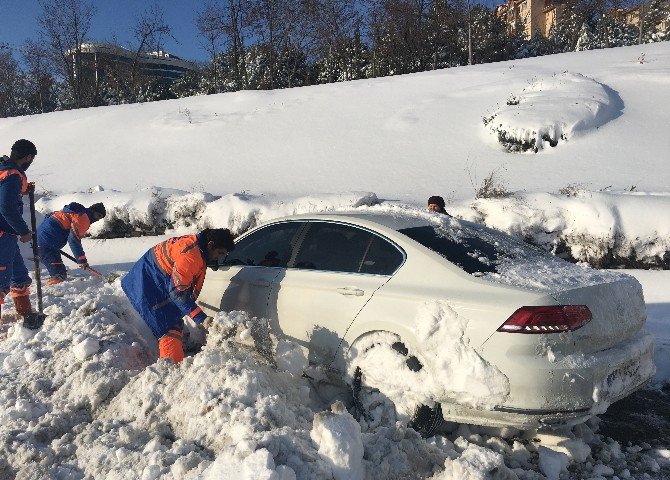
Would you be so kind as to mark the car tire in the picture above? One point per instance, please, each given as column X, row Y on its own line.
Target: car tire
column 426, row 419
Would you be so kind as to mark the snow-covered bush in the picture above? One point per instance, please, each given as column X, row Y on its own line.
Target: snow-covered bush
column 551, row 110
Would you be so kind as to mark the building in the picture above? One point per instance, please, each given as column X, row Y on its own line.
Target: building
column 632, row 15
column 537, row 16
column 95, row 58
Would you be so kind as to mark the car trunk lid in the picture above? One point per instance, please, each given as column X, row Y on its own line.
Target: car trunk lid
column 618, row 312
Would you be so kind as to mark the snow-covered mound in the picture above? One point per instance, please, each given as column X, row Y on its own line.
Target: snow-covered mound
column 82, row 398
column 552, row 110
column 155, row 210
column 604, row 229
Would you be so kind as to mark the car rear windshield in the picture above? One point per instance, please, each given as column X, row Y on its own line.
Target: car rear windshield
column 472, row 254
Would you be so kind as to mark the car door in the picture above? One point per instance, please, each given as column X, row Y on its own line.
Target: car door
column 244, row 277
column 331, row 276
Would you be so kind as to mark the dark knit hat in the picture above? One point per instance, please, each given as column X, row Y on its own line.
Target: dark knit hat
column 98, row 208
column 221, row 237
column 437, row 200
column 23, row 148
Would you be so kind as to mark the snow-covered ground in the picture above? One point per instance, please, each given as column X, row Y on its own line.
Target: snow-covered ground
column 85, row 398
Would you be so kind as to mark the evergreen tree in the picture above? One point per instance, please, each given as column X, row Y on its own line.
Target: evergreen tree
column 654, row 14
column 490, row 40
column 347, row 61
column 586, row 40
column 568, row 27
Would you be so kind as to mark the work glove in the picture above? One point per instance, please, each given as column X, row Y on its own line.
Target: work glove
column 26, row 238
column 84, row 266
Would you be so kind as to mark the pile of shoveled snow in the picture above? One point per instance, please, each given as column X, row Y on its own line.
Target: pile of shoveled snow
column 452, row 369
column 84, row 397
column 551, row 110
column 604, row 229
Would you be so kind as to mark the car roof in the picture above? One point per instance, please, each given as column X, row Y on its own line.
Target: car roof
column 392, row 220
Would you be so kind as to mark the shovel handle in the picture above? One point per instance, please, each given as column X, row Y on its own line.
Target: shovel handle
column 36, row 258
column 92, row 270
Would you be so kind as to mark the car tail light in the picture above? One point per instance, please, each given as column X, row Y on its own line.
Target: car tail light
column 548, row 319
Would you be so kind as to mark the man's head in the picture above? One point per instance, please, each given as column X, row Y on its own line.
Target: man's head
column 98, row 212
column 219, row 242
column 23, row 153
column 436, row 204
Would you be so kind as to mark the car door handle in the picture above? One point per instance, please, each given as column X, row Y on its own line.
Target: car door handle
column 259, row 283
column 351, row 291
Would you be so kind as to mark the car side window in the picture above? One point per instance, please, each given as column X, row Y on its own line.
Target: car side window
column 381, row 258
column 333, row 247
column 268, row 247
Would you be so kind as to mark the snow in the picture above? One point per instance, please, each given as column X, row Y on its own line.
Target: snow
column 552, row 110
column 452, row 369
column 404, row 137
column 84, row 397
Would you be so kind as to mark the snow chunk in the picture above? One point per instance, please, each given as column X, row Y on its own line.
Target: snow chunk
column 291, row 357
column 86, row 348
column 552, row 463
column 553, row 109
column 338, row 437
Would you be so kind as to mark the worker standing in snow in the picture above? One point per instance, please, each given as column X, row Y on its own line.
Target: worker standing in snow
column 14, row 276
column 68, row 225
column 164, row 284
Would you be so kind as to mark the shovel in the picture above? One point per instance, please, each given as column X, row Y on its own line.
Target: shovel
column 34, row 320
column 92, row 270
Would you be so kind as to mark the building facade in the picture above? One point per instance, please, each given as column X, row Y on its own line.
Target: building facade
column 96, row 58
column 538, row 16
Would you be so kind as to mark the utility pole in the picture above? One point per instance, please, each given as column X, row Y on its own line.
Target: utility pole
column 469, row 36
column 641, row 15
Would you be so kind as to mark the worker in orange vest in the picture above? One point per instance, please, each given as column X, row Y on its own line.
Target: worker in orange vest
column 164, row 284
column 14, row 278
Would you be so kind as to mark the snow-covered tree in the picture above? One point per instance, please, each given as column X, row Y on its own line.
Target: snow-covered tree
column 653, row 15
column 586, row 40
column 347, row 61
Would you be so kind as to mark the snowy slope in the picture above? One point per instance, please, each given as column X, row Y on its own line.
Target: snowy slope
column 401, row 137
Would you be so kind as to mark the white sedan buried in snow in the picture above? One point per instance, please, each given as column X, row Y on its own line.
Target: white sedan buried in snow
column 442, row 316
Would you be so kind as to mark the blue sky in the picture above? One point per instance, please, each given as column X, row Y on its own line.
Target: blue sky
column 113, row 18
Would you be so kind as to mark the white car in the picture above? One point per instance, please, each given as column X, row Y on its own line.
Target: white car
column 522, row 338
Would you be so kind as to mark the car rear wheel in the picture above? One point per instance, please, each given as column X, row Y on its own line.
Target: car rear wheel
column 382, row 372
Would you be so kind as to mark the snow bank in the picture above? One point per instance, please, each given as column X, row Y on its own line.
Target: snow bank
column 156, row 210
column 552, row 110
column 604, row 229
column 148, row 211
column 240, row 212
